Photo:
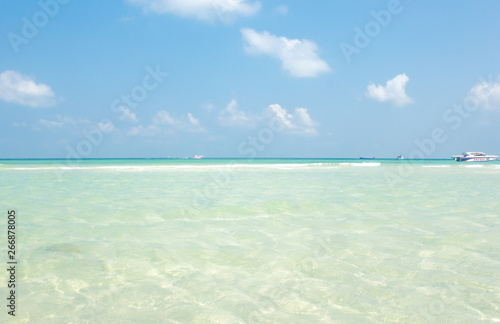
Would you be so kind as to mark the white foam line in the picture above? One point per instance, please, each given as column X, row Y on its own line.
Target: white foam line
column 368, row 164
column 175, row 167
column 436, row 166
column 68, row 168
column 31, row 169
column 474, row 166
column 362, row 164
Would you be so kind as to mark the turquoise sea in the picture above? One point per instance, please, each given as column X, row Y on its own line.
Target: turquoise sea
column 253, row 241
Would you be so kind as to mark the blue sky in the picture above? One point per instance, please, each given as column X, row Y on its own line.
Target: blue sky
column 242, row 78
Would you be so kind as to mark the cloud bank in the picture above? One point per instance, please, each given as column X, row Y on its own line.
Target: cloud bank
column 165, row 123
column 297, row 122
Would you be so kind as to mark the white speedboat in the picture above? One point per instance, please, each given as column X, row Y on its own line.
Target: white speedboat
column 474, row 157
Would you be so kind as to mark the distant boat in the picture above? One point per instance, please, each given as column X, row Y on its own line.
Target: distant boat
column 367, row 158
column 198, row 157
column 474, row 157
column 400, row 157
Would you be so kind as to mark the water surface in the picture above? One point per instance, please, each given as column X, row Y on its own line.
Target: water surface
column 255, row 241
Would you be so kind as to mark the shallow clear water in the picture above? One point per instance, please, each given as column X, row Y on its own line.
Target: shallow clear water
column 262, row 241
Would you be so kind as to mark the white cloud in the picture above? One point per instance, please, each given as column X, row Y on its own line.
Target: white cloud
column 106, row 126
column 136, row 130
column 486, row 94
column 304, row 119
column 127, row 115
column 298, row 57
column 60, row 122
column 50, row 123
column 164, row 123
column 232, row 116
column 393, row 91
column 205, row 10
column 209, row 107
column 125, row 19
column 282, row 10
column 21, row 89
column 300, row 122
column 163, row 118
column 151, row 130
column 192, row 120
column 192, row 125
